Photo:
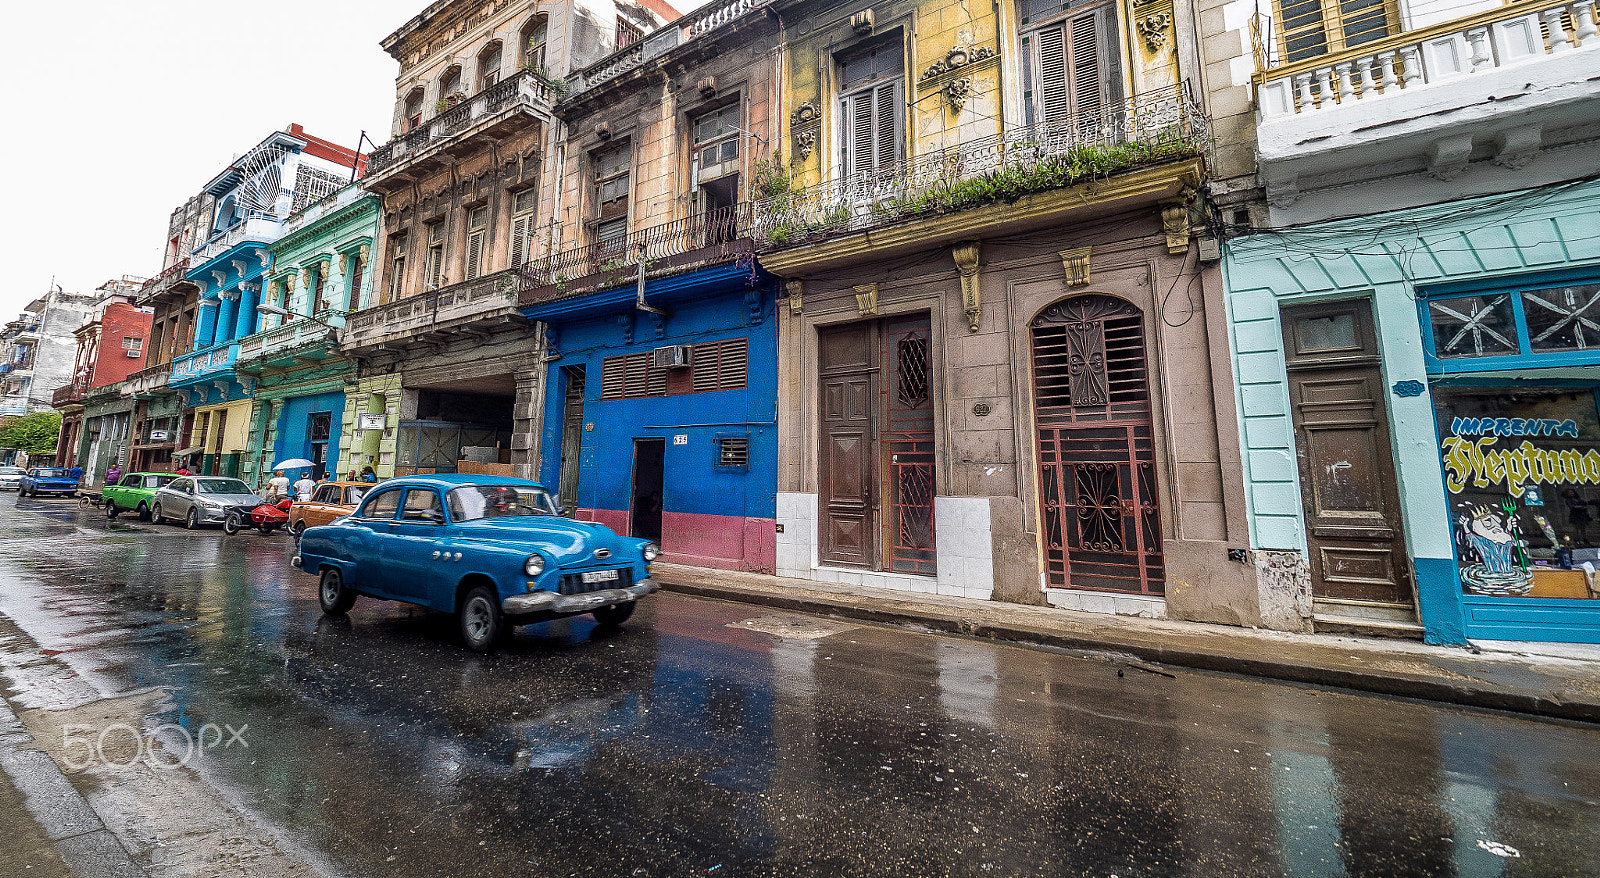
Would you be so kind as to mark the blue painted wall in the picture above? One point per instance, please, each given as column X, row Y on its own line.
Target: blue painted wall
column 294, row 433
column 709, row 305
column 1392, row 259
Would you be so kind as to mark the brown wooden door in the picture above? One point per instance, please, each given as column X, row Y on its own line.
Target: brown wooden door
column 1347, row 476
column 847, row 471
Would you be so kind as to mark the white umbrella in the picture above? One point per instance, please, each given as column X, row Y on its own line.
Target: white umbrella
column 292, row 463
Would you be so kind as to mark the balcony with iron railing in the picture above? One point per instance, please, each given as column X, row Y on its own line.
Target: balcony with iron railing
column 150, row 379
column 1512, row 78
column 70, row 393
column 514, row 103
column 690, row 27
column 710, row 238
column 435, row 314
column 1153, row 129
column 204, row 364
column 301, row 341
column 257, row 228
column 161, row 284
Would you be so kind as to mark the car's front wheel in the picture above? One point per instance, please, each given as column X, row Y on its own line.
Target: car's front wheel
column 230, row 525
column 335, row 598
column 615, row 614
column 192, row 520
column 480, row 619
column 111, row 509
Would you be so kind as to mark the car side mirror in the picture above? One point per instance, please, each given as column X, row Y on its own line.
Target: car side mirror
column 564, row 511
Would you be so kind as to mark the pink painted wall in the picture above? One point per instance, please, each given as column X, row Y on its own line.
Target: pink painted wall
column 724, row 542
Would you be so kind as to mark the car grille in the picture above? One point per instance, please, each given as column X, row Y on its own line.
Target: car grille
column 572, row 583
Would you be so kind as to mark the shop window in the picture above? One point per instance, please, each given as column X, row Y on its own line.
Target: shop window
column 733, row 453
column 1522, row 476
column 1541, row 326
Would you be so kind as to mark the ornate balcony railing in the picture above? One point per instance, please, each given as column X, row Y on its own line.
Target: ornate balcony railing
column 524, row 88
column 201, row 363
column 491, row 294
column 289, row 336
column 69, row 393
column 689, row 27
column 652, row 245
column 1502, row 37
column 1149, row 129
column 150, row 378
column 166, row 276
column 255, row 229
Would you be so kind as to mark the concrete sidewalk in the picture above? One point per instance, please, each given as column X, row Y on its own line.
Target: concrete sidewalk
column 1560, row 681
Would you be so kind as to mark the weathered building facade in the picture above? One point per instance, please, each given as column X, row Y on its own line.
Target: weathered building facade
column 447, row 361
column 660, row 359
column 253, row 197
column 1413, row 323
column 1001, row 359
column 38, row 350
column 95, row 411
column 321, row 271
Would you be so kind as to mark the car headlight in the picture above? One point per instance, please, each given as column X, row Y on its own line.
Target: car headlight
column 651, row 551
column 534, row 565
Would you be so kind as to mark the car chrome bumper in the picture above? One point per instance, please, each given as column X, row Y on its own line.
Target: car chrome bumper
column 550, row 602
column 295, row 562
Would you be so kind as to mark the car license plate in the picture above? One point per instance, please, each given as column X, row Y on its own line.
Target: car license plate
column 593, row 576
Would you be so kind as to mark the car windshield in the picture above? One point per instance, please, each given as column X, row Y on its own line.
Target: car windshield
column 52, row 474
column 221, row 486
column 472, row 502
column 353, row 496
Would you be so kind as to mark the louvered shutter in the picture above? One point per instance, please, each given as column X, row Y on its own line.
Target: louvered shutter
column 1086, row 85
column 474, row 254
column 888, row 145
column 435, row 266
column 858, row 140
column 1054, row 101
column 519, row 240
column 1076, row 68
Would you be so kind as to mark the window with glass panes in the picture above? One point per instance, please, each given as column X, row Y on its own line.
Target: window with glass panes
column 871, row 121
column 716, row 143
column 1308, row 28
column 489, row 66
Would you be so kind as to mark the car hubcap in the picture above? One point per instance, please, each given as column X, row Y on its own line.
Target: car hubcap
column 330, row 590
column 478, row 619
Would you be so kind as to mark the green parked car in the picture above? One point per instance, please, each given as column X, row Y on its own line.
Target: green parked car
column 133, row 492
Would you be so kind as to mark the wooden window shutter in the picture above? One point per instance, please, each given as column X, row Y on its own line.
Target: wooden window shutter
column 888, row 145
column 435, row 265
column 859, row 137
column 613, row 377
column 733, row 364
column 474, row 254
column 519, row 240
column 1054, row 100
column 1086, row 87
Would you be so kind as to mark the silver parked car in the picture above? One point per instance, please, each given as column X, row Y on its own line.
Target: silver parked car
column 11, row 477
column 197, row 500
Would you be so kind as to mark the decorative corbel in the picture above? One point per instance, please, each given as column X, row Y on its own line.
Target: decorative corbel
column 344, row 264
column 1076, row 265
column 364, row 253
column 1154, row 30
column 1175, row 223
column 626, row 322
column 289, row 283
column 966, row 256
column 867, row 299
column 242, row 267
column 752, row 305
column 220, row 276
column 797, row 291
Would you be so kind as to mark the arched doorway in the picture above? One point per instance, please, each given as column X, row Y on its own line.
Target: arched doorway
column 1098, row 501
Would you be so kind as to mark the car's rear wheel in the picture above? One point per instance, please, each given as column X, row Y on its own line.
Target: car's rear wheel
column 156, row 516
column 192, row 520
column 615, row 614
column 480, row 619
column 336, row 600
column 144, row 512
column 266, row 528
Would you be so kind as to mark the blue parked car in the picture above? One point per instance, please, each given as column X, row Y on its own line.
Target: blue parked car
column 43, row 480
column 493, row 551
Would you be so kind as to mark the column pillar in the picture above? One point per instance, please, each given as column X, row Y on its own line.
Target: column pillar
column 227, row 313
column 244, row 322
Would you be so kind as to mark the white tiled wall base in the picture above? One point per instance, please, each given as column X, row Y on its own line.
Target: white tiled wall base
column 965, row 557
column 1145, row 606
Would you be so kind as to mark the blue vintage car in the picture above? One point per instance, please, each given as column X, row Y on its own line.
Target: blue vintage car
column 43, row 480
column 491, row 550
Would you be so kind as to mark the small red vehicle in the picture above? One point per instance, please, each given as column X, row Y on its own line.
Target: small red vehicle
column 266, row 518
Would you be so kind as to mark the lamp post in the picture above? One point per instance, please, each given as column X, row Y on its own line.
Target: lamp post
column 275, row 311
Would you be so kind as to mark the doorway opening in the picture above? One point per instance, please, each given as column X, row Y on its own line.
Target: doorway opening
column 571, row 436
column 649, row 458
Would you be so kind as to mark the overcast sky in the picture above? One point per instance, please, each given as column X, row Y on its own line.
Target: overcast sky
column 119, row 111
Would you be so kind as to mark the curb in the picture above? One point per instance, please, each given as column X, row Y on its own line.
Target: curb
column 1428, row 689
column 85, row 846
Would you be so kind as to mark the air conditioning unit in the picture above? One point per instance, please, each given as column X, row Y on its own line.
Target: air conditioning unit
column 674, row 357
column 133, row 355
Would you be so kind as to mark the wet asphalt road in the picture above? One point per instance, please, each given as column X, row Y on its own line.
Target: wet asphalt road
column 728, row 740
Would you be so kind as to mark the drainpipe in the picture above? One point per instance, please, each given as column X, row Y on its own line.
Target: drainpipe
column 638, row 302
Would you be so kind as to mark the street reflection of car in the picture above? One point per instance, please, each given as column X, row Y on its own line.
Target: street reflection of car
column 134, row 492
column 491, row 550
column 11, row 477
column 329, row 500
column 197, row 500
column 45, row 480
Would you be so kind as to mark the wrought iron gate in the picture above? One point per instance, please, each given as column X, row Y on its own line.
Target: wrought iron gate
column 908, row 440
column 1098, row 499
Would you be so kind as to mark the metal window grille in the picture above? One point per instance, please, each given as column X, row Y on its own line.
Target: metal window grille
column 733, row 452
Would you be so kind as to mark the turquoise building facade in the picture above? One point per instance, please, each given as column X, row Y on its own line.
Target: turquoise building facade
column 1485, row 314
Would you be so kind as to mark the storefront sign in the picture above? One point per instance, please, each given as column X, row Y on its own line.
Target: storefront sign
column 370, row 422
column 158, row 435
